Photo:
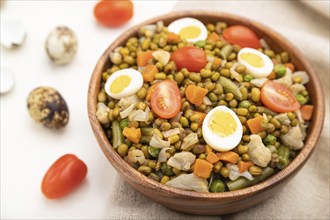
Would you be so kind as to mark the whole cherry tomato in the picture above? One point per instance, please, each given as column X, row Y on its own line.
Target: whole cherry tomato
column 113, row 13
column 242, row 36
column 63, row 176
column 278, row 98
column 192, row 58
column 166, row 99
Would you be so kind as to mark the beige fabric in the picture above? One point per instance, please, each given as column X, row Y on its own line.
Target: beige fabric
column 307, row 195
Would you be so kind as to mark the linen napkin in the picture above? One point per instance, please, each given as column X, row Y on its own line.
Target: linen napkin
column 306, row 196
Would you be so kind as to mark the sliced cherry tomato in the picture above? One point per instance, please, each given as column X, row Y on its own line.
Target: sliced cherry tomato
column 242, row 36
column 113, row 13
column 278, row 98
column 63, row 176
column 192, row 58
column 166, row 99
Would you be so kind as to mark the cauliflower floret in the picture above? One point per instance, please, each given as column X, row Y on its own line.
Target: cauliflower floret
column 286, row 80
column 102, row 113
column 234, row 172
column 294, row 138
column 135, row 156
column 258, row 153
column 296, row 88
column 189, row 182
column 189, row 140
column 283, row 118
column 182, row 160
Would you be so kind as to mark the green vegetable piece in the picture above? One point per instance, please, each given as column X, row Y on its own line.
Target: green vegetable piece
column 270, row 139
column 167, row 170
column 117, row 134
column 200, row 43
column 280, row 70
column 230, row 87
column 124, row 123
column 262, row 110
column 225, row 51
column 247, row 78
column 153, row 151
column 284, row 154
column 242, row 182
column 146, row 131
column 217, row 186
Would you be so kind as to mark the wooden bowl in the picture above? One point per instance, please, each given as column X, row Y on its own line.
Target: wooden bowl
column 211, row 203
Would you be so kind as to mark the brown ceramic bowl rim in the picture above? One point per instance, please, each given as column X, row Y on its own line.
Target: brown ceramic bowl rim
column 122, row 167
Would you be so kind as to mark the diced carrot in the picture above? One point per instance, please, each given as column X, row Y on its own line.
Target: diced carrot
column 195, row 94
column 173, row 38
column 202, row 168
column 150, row 91
column 217, row 62
column 307, row 111
column 132, row 134
column 254, row 125
column 213, row 37
column 149, row 72
column 272, row 75
column 244, row 166
column 291, row 66
column 212, row 158
column 143, row 57
column 208, row 149
column 228, row 156
column 201, row 117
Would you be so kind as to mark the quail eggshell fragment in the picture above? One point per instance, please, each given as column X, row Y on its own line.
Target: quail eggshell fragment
column 61, row 45
column 47, row 106
column 7, row 81
column 13, row 34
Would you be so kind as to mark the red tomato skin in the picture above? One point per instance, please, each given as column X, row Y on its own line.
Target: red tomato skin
column 279, row 103
column 242, row 36
column 192, row 58
column 113, row 13
column 174, row 96
column 63, row 176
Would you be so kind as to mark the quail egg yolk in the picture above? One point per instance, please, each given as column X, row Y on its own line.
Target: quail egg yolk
column 120, row 83
column 222, row 124
column 190, row 32
column 252, row 59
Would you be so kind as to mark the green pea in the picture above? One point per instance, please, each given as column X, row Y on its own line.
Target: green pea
column 160, row 76
column 255, row 94
column 205, row 73
column 124, row 123
column 179, row 77
column 247, row 78
column 242, row 149
column 280, row 70
column 233, row 103
column 217, row 186
column 242, row 111
column 122, row 150
column 173, row 138
column 166, row 169
column 215, row 76
column 285, row 57
column 145, row 170
column 301, row 99
column 194, row 126
column 240, row 69
column 270, row 139
column 184, row 121
column 213, row 97
column 195, row 77
column 225, row 72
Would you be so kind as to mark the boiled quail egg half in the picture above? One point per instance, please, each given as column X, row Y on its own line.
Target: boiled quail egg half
column 222, row 129
column 190, row 29
column 123, row 83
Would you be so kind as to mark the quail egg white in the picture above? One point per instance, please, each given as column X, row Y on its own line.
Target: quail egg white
column 123, row 83
column 190, row 29
column 257, row 64
column 222, row 129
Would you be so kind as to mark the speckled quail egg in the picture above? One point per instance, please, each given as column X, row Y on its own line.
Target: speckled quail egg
column 47, row 106
column 190, row 29
column 257, row 64
column 61, row 45
column 222, row 129
column 123, row 83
